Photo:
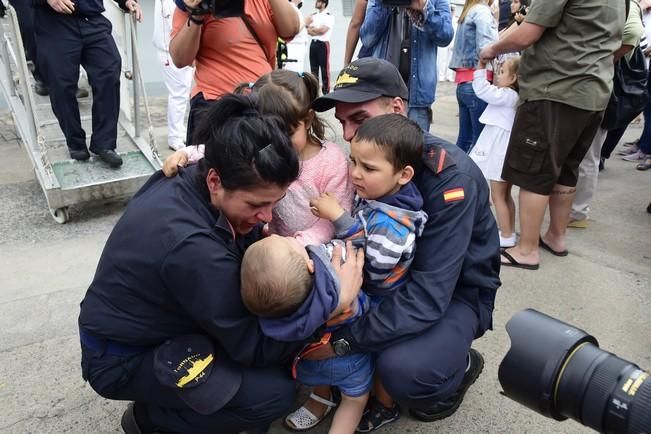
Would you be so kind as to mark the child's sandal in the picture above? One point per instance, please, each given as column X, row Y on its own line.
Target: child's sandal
column 377, row 415
column 303, row 419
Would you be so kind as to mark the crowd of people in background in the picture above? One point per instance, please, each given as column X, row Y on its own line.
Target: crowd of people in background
column 387, row 249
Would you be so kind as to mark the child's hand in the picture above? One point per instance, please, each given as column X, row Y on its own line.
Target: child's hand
column 481, row 64
column 326, row 207
column 172, row 163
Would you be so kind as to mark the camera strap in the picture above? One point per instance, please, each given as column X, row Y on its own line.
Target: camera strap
column 249, row 26
column 398, row 43
column 404, row 65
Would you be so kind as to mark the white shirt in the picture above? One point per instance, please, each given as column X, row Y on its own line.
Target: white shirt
column 323, row 18
column 502, row 101
column 163, row 11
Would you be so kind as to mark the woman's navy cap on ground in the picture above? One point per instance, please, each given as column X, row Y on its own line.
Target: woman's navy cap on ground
column 203, row 378
column 364, row 80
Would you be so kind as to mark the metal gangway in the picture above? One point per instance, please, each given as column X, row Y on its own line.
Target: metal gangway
column 64, row 181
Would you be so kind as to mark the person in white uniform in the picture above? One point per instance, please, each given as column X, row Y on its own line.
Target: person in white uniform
column 177, row 80
column 297, row 47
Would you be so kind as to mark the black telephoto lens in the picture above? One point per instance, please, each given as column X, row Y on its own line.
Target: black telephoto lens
column 560, row 372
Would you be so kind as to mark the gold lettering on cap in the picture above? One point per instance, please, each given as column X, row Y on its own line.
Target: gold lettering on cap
column 344, row 78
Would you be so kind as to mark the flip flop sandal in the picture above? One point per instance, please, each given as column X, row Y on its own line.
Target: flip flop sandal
column 303, row 419
column 513, row 263
column 546, row 246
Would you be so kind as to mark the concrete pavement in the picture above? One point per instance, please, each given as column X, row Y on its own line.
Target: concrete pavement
column 603, row 286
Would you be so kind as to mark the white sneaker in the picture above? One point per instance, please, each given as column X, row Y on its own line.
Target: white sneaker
column 508, row 241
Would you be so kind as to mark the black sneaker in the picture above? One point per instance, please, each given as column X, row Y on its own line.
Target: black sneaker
column 79, row 154
column 447, row 407
column 377, row 415
column 110, row 157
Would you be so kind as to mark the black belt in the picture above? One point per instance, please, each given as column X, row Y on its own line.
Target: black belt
column 108, row 346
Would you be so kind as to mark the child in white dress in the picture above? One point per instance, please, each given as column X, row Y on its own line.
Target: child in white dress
column 490, row 150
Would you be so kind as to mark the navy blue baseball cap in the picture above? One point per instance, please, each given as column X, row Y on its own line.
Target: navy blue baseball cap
column 364, row 80
column 202, row 377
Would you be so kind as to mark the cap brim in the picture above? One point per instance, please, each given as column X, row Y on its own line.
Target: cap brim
column 221, row 386
column 349, row 95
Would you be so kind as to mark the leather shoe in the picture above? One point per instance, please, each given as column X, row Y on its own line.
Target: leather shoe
column 447, row 407
column 128, row 422
column 110, row 157
column 79, row 154
column 41, row 88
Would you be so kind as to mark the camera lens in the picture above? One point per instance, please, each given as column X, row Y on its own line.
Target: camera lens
column 559, row 371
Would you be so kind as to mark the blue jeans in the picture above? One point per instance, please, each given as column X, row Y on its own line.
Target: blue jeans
column 470, row 108
column 353, row 374
column 420, row 115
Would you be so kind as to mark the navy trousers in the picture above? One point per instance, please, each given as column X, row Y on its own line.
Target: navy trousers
column 64, row 43
column 264, row 395
column 428, row 368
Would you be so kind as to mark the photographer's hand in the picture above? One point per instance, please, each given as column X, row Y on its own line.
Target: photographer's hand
column 62, row 6
column 418, row 5
column 192, row 4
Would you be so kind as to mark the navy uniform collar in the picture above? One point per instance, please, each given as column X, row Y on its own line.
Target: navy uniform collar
column 221, row 223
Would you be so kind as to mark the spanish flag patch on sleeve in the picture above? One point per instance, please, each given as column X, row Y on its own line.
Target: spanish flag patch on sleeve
column 453, row 195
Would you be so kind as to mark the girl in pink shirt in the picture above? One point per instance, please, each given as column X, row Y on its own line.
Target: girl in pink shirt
column 324, row 166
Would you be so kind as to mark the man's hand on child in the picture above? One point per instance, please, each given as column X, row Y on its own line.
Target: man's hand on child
column 172, row 163
column 350, row 275
column 326, row 207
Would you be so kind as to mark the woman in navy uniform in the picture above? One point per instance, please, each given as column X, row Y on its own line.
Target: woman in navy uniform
column 167, row 288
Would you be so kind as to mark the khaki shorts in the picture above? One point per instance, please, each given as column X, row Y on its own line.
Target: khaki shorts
column 548, row 142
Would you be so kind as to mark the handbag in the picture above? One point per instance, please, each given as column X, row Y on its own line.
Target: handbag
column 630, row 92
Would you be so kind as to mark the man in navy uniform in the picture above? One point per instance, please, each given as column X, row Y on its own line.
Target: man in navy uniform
column 69, row 34
column 319, row 27
column 422, row 335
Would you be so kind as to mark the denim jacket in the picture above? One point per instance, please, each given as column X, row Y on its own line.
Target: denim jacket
column 434, row 30
column 477, row 30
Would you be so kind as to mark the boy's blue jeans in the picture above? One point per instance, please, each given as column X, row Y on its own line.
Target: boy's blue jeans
column 352, row 374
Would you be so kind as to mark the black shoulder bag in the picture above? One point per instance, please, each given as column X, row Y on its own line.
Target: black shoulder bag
column 630, row 94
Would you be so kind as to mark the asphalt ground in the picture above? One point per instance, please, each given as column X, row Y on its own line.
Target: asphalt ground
column 603, row 286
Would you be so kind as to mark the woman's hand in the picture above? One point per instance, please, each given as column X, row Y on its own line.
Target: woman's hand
column 172, row 163
column 326, row 207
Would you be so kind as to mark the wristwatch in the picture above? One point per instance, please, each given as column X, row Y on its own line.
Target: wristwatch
column 341, row 347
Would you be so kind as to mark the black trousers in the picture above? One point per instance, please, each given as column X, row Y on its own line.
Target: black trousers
column 64, row 43
column 198, row 107
column 320, row 59
column 25, row 13
column 265, row 394
column 428, row 368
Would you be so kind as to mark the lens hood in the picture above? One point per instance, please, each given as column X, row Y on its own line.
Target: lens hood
column 540, row 346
